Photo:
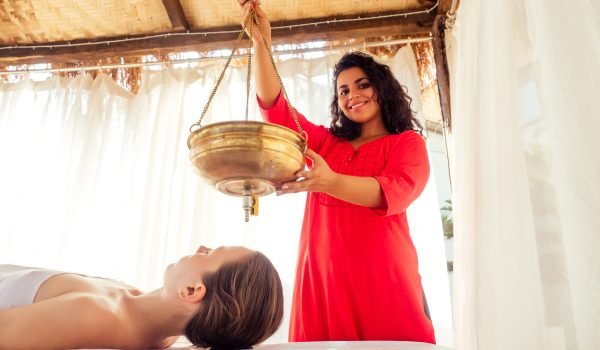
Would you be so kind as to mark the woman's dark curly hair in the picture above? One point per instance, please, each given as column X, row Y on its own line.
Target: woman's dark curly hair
column 391, row 96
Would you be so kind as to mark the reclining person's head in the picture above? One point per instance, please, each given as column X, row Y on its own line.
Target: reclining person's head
column 242, row 305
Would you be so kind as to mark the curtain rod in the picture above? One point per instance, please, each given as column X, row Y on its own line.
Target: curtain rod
column 193, row 60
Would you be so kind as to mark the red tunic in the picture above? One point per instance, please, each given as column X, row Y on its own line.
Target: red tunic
column 357, row 273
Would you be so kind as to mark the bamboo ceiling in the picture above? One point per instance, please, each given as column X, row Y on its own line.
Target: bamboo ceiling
column 40, row 23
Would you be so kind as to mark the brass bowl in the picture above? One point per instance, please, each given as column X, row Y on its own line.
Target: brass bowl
column 243, row 156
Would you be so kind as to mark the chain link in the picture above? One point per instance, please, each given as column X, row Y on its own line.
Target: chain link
column 253, row 15
column 197, row 124
column 287, row 100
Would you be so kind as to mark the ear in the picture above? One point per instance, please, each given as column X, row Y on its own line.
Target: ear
column 193, row 293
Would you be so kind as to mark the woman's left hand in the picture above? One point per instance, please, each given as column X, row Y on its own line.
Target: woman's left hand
column 319, row 179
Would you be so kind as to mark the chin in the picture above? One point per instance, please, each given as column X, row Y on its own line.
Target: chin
column 167, row 269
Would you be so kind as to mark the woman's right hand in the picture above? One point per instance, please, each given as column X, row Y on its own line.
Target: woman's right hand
column 267, row 83
column 263, row 21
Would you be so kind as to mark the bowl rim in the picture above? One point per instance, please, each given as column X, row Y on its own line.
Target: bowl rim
column 240, row 122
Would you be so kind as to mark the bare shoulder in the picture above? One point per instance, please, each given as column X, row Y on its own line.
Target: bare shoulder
column 73, row 320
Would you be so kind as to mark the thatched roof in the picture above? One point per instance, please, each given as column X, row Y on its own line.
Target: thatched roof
column 200, row 25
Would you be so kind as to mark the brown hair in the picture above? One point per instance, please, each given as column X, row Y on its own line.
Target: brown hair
column 242, row 307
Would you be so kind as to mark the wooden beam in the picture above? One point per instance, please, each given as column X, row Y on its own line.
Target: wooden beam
column 441, row 67
column 176, row 15
column 284, row 32
column 444, row 7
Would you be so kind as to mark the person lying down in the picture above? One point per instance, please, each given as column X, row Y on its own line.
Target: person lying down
column 226, row 298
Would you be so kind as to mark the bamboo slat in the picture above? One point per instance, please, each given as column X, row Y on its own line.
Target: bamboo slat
column 216, row 13
column 43, row 21
column 49, row 21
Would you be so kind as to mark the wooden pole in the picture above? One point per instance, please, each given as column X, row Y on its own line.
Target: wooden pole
column 330, row 29
column 441, row 67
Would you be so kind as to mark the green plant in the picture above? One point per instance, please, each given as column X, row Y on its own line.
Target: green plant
column 447, row 222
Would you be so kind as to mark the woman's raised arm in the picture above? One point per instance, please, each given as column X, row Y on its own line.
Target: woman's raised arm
column 267, row 84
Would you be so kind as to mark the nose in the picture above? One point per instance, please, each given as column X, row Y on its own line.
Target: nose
column 203, row 250
column 353, row 94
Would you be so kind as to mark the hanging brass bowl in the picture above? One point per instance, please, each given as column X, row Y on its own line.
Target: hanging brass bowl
column 246, row 157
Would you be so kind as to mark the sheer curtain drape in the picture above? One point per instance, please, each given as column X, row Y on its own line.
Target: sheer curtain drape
column 526, row 164
column 97, row 180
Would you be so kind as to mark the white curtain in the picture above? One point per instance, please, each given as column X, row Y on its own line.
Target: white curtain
column 526, row 174
column 97, row 180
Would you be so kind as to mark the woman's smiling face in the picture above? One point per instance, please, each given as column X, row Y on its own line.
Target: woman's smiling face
column 356, row 96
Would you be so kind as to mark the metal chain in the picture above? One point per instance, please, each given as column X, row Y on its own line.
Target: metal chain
column 249, row 67
column 212, row 94
column 287, row 100
column 252, row 19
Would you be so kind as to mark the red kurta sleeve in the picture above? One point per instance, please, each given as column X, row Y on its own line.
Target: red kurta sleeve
column 280, row 114
column 405, row 173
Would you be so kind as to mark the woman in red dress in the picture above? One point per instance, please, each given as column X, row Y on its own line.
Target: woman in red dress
column 357, row 272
